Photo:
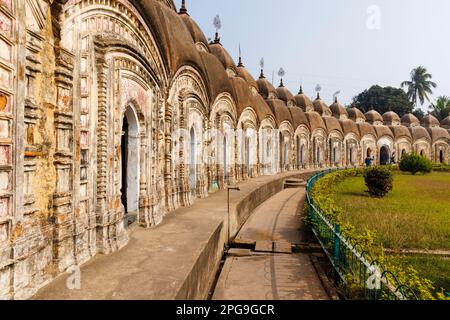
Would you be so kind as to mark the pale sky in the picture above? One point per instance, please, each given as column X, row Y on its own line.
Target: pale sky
column 329, row 42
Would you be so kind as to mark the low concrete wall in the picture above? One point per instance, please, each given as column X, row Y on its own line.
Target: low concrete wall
column 253, row 193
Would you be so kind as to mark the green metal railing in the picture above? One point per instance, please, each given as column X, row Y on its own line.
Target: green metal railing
column 348, row 258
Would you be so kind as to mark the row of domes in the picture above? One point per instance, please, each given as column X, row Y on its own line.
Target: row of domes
column 269, row 92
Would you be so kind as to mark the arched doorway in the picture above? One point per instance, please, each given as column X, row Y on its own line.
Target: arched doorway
column 302, row 156
column 351, row 156
column 441, row 156
column 384, row 156
column 318, row 156
column 193, row 162
column 369, row 153
column 286, row 156
column 334, row 162
column 130, row 165
column 247, row 155
column 422, row 153
column 225, row 160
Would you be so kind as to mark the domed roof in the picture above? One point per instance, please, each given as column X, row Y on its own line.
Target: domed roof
column 383, row 131
column 298, row 117
column 332, row 124
column 173, row 37
column 373, row 116
column 410, row 120
column 242, row 94
column 280, row 111
column 244, row 74
column 400, row 132
column 222, row 54
column 262, row 109
column 437, row 133
column 197, row 34
column 349, row 127
column 429, row 121
column 366, row 129
column 356, row 115
column 446, row 122
column 391, row 117
column 216, row 78
column 303, row 101
column 321, row 107
column 265, row 88
column 419, row 132
column 338, row 110
column 284, row 94
column 315, row 121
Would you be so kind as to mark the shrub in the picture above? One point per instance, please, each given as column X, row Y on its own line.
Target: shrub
column 379, row 181
column 415, row 163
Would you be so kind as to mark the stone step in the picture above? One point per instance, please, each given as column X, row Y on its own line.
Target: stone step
column 294, row 183
column 273, row 247
column 264, row 246
column 282, row 247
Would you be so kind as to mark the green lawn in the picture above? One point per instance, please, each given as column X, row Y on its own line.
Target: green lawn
column 416, row 214
column 434, row 268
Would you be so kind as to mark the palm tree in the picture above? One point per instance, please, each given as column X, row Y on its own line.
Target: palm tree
column 420, row 86
column 441, row 108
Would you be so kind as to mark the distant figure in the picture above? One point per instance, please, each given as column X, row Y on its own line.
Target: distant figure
column 393, row 158
column 369, row 161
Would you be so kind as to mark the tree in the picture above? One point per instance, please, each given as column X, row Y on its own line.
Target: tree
column 441, row 108
column 420, row 86
column 383, row 100
column 379, row 181
column 415, row 163
column 419, row 113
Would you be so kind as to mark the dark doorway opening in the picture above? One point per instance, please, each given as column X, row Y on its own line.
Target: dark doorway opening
column 129, row 148
column 441, row 156
column 124, row 153
column 384, row 156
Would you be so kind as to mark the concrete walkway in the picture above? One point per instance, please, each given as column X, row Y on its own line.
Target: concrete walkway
column 249, row 275
column 176, row 260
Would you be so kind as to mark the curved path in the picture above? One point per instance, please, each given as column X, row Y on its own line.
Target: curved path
column 265, row 275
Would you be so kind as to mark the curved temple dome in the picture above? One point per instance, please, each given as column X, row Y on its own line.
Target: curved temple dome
column 141, row 115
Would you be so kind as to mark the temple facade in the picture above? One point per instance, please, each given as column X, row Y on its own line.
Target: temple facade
column 120, row 111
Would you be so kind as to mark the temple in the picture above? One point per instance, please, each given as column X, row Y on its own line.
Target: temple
column 116, row 112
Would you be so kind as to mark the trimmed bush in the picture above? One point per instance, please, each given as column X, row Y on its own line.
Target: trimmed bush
column 379, row 181
column 415, row 163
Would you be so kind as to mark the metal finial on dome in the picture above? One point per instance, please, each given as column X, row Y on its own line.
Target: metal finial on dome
column 281, row 74
column 240, row 64
column 218, row 25
column 261, row 64
column 183, row 9
column 301, row 90
column 335, row 95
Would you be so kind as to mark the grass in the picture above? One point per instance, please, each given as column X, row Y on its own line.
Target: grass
column 431, row 267
column 415, row 215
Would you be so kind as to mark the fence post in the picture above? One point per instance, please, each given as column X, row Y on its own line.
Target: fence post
column 337, row 244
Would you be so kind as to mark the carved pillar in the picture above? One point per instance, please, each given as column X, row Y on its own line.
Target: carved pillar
column 169, row 201
column 63, row 245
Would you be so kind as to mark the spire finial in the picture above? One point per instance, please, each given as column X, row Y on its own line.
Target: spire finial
column 183, row 9
column 261, row 64
column 240, row 64
column 281, row 83
column 261, row 76
column 301, row 90
column 318, row 96
column 335, row 100
column 218, row 25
